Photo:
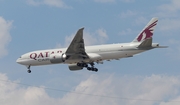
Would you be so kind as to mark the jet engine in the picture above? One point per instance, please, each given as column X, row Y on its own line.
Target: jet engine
column 74, row 67
column 57, row 58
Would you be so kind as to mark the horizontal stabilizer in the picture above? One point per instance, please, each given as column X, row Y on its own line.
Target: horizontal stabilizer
column 162, row 47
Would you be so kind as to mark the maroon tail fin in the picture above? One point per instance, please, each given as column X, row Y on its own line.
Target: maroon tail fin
column 147, row 32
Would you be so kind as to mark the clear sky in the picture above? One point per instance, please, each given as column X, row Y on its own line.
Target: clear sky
column 150, row 78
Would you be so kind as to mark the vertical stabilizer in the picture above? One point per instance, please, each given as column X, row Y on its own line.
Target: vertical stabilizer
column 147, row 32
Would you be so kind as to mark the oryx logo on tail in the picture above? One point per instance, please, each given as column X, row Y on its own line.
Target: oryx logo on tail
column 147, row 32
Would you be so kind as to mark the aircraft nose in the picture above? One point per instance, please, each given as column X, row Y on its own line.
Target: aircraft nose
column 18, row 60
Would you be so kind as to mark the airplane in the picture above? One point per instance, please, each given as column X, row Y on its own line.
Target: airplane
column 79, row 56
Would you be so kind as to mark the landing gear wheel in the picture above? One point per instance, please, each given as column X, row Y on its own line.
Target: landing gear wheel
column 88, row 68
column 85, row 65
column 78, row 64
column 82, row 65
column 29, row 71
column 95, row 69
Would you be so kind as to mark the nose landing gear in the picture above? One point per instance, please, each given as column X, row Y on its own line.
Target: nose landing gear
column 29, row 71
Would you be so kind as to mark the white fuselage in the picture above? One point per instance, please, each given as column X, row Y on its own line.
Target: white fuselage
column 106, row 52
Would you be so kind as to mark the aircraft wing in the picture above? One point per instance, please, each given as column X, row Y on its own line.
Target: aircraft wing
column 76, row 49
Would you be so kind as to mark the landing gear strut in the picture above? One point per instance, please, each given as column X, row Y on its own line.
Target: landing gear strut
column 92, row 68
column 29, row 71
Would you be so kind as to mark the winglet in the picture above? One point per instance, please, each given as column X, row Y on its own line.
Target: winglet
column 147, row 32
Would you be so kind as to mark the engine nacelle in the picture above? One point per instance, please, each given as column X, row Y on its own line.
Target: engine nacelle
column 57, row 58
column 74, row 67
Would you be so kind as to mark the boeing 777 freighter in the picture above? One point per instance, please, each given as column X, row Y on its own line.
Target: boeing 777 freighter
column 79, row 56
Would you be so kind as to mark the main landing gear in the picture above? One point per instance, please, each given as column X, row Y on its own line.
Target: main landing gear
column 29, row 71
column 92, row 68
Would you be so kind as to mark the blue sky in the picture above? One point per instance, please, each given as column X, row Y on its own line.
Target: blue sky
column 27, row 25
